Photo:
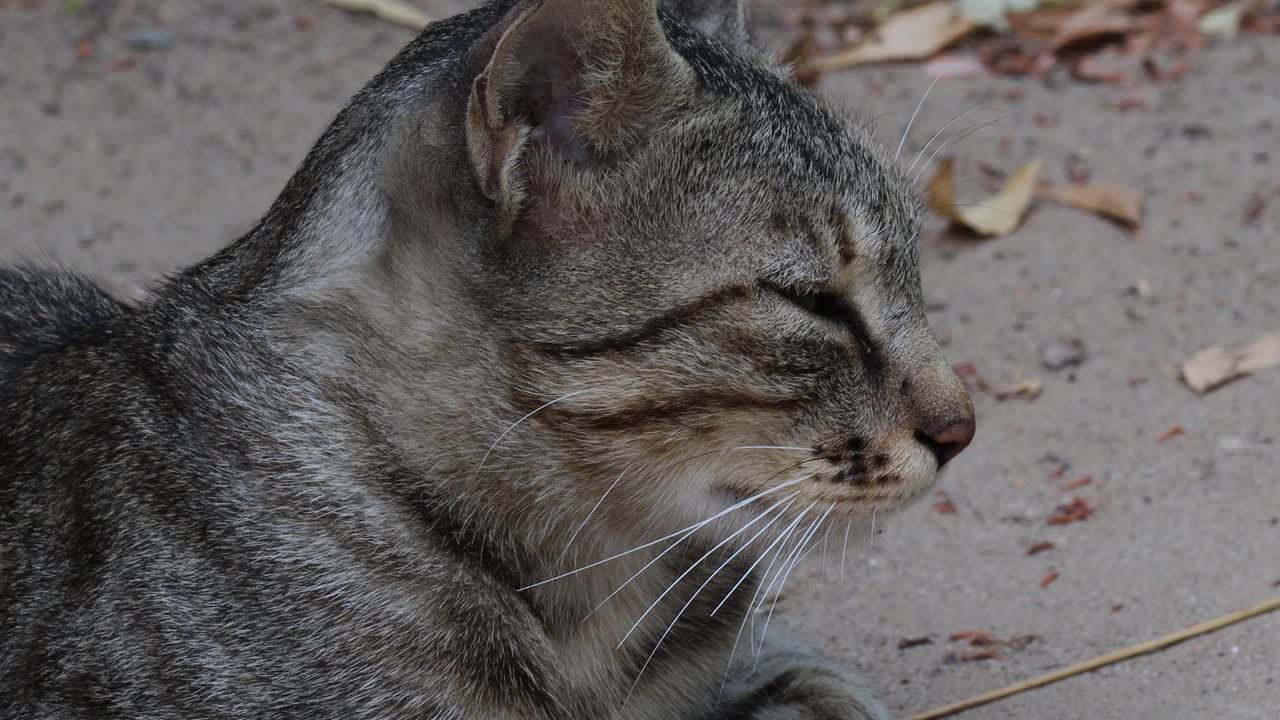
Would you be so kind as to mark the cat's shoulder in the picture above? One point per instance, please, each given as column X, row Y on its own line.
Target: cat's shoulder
column 42, row 310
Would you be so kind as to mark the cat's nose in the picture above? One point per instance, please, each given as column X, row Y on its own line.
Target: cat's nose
column 948, row 438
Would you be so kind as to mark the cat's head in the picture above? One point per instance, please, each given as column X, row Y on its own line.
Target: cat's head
column 691, row 256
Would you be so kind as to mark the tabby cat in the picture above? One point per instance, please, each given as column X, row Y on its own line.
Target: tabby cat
column 572, row 335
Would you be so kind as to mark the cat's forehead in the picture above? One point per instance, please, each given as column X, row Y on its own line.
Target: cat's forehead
column 827, row 165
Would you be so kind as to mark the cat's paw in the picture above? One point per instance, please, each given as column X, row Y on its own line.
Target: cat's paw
column 803, row 692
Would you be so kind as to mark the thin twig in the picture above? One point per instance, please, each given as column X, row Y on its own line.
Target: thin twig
column 1108, row 659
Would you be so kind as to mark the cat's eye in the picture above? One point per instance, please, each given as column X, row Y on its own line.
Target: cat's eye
column 828, row 306
column 835, row 308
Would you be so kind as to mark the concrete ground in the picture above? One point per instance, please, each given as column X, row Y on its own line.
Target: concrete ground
column 132, row 162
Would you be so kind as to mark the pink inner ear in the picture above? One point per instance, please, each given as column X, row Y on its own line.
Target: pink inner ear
column 549, row 97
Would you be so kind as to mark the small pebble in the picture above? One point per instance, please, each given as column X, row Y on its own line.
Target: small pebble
column 150, row 40
column 1063, row 353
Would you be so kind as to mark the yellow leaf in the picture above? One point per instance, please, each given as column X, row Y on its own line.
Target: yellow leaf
column 1107, row 199
column 999, row 214
column 910, row 35
column 1214, row 367
column 393, row 11
column 1029, row 389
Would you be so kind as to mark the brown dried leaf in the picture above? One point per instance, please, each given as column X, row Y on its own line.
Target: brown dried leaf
column 975, row 637
column 1047, row 580
column 1128, row 104
column 906, row 643
column 913, row 34
column 1078, row 510
column 1092, row 22
column 1042, row 546
column 945, row 507
column 1214, row 367
column 1171, row 433
column 1109, row 200
column 1039, row 25
column 1021, row 642
column 999, row 214
column 1010, row 56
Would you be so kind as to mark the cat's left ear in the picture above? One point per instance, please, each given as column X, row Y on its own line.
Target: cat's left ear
column 724, row 20
column 567, row 88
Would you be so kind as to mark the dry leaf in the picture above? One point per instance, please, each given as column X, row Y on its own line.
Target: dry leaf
column 1225, row 21
column 944, row 507
column 1040, row 547
column 1048, row 579
column 906, row 643
column 1214, row 367
column 1106, row 199
column 1171, row 433
column 910, row 35
column 393, row 11
column 1039, row 25
column 1078, row 510
column 999, row 214
column 1028, row 389
column 975, row 637
column 1092, row 22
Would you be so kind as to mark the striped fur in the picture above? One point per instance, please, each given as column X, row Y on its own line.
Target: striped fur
column 293, row 484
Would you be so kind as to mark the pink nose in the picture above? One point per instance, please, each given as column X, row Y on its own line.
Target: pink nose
column 948, row 439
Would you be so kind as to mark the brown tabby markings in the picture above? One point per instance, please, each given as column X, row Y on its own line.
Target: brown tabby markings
column 478, row 421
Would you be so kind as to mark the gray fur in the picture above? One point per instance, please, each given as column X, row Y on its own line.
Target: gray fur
column 274, row 491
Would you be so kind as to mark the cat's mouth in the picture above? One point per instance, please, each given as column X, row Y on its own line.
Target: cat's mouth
column 857, row 478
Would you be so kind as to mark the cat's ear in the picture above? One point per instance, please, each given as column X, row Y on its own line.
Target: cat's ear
column 724, row 20
column 579, row 81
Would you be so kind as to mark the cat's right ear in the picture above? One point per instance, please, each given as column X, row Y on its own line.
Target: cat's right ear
column 574, row 83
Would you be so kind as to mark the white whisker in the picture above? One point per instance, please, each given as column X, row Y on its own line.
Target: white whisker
column 773, row 447
column 747, row 614
column 637, row 574
column 804, row 536
column 912, row 121
column 873, row 528
column 765, row 595
column 788, row 500
column 809, row 536
column 695, row 526
column 793, row 558
column 531, row 413
column 587, row 519
column 785, row 534
column 825, row 537
column 701, row 587
column 949, row 141
column 844, row 553
column 935, row 136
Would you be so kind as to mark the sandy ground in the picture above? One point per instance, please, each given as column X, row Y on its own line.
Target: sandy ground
column 133, row 162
